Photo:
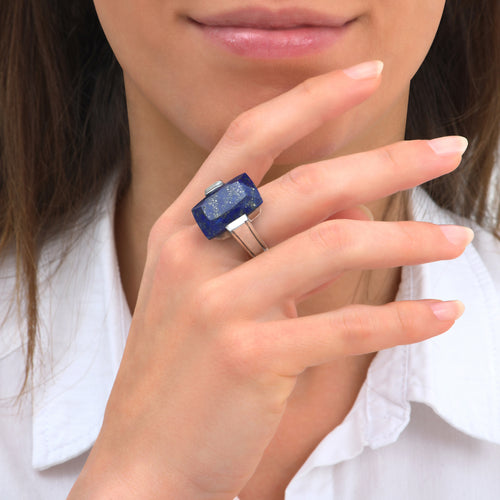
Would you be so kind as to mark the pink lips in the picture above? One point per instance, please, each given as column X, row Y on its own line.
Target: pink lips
column 265, row 34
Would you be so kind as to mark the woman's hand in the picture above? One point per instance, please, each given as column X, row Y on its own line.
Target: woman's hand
column 216, row 345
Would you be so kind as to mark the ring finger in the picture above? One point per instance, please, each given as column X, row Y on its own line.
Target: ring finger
column 329, row 249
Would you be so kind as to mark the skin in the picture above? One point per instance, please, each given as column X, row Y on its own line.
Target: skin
column 217, row 339
column 182, row 114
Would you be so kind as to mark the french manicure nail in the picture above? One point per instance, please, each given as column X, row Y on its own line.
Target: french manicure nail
column 366, row 70
column 367, row 211
column 458, row 235
column 455, row 144
column 448, row 310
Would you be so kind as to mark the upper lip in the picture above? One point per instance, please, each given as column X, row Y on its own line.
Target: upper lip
column 256, row 17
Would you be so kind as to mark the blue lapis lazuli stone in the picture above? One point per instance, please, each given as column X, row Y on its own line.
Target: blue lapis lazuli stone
column 237, row 197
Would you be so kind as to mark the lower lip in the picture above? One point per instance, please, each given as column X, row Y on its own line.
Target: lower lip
column 273, row 43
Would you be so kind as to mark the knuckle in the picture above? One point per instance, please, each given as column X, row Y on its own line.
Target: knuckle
column 241, row 353
column 333, row 235
column 303, row 180
column 357, row 328
column 246, row 358
column 412, row 239
column 161, row 230
column 176, row 252
column 309, row 88
column 388, row 157
column 405, row 321
column 242, row 127
column 156, row 236
column 248, row 132
column 212, row 302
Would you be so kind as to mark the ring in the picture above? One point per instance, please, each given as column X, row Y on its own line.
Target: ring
column 229, row 209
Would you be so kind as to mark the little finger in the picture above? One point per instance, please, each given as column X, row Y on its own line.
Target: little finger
column 292, row 345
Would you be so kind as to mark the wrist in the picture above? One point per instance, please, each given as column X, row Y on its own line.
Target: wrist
column 105, row 479
column 110, row 478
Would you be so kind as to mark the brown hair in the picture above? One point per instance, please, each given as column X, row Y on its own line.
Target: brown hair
column 457, row 91
column 63, row 123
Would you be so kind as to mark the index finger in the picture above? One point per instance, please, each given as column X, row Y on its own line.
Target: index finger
column 256, row 137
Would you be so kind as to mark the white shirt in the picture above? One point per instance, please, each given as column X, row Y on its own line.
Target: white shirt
column 425, row 425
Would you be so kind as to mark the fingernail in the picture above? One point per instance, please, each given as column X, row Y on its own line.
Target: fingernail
column 448, row 310
column 458, row 235
column 367, row 211
column 366, row 70
column 455, row 144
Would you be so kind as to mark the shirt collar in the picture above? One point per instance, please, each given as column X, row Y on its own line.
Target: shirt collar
column 457, row 373
column 84, row 320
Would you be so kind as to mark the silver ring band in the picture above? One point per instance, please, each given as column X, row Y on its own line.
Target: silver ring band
column 245, row 234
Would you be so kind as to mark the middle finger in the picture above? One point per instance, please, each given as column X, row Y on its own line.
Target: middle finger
column 309, row 194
